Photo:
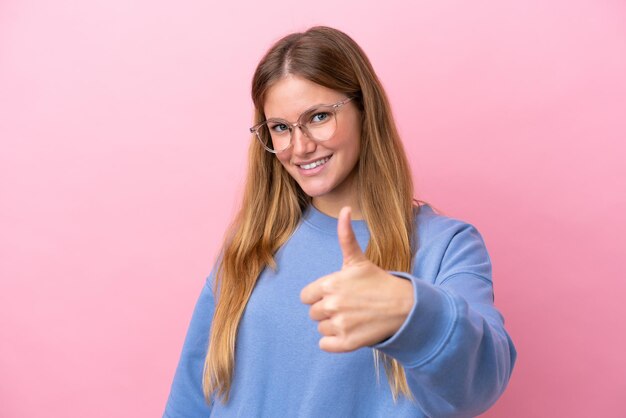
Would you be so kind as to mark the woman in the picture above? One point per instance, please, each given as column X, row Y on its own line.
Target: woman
column 295, row 318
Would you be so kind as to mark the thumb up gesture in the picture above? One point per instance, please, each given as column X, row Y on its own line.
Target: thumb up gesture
column 359, row 305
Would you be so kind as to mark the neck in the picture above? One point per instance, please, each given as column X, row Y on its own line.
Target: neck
column 332, row 209
column 344, row 195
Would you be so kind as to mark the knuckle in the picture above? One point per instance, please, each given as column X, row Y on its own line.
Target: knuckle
column 331, row 305
column 344, row 344
column 329, row 284
column 350, row 344
column 340, row 322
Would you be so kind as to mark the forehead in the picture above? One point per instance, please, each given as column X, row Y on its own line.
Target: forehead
column 292, row 95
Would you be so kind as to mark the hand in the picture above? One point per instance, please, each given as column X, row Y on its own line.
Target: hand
column 361, row 304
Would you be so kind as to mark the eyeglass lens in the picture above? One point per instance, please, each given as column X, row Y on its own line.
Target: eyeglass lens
column 318, row 124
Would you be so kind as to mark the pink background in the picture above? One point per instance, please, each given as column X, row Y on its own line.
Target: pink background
column 123, row 128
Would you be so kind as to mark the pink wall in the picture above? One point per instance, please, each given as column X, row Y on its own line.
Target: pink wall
column 123, row 138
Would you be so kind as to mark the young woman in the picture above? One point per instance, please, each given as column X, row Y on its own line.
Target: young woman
column 295, row 318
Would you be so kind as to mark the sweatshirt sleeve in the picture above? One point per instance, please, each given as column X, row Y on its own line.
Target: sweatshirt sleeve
column 453, row 345
column 186, row 397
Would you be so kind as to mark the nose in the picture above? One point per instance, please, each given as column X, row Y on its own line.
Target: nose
column 302, row 144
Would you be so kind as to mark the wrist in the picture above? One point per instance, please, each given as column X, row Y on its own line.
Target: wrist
column 404, row 296
column 402, row 299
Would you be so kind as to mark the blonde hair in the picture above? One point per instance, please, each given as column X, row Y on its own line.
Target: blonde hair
column 273, row 202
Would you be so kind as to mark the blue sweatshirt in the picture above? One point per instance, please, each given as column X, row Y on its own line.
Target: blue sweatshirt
column 453, row 346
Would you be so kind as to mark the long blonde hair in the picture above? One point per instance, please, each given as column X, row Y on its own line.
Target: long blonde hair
column 273, row 202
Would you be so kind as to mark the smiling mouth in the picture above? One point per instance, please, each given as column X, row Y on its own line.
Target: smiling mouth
column 314, row 164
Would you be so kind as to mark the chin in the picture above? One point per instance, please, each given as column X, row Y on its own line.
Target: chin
column 314, row 191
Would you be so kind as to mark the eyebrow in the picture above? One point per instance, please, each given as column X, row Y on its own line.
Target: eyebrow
column 303, row 112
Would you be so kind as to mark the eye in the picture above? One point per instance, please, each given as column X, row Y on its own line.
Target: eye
column 320, row 117
column 278, row 128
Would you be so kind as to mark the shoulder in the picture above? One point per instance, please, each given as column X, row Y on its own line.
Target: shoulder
column 431, row 225
column 447, row 245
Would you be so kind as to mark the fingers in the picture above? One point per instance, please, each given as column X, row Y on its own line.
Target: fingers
column 326, row 328
column 350, row 248
column 331, row 341
column 335, row 344
column 312, row 293
column 331, row 344
column 316, row 290
column 318, row 313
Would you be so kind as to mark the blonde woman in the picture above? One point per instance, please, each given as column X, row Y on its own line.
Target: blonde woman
column 331, row 268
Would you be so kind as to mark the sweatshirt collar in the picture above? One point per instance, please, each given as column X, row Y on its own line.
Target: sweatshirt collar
column 327, row 223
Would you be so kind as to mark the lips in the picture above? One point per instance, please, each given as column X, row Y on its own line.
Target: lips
column 312, row 168
column 311, row 165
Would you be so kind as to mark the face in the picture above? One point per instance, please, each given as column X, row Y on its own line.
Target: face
column 333, row 179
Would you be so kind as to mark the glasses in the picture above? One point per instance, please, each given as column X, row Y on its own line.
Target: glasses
column 318, row 123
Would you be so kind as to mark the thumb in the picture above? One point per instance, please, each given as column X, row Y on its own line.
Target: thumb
column 350, row 248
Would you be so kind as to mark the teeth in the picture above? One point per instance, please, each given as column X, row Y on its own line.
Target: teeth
column 315, row 163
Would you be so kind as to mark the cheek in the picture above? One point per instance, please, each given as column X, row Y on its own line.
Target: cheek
column 351, row 135
column 353, row 147
column 284, row 160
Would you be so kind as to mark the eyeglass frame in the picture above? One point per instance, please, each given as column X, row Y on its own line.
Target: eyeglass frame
column 291, row 126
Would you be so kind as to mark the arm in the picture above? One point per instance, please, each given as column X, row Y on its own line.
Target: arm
column 186, row 397
column 453, row 346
